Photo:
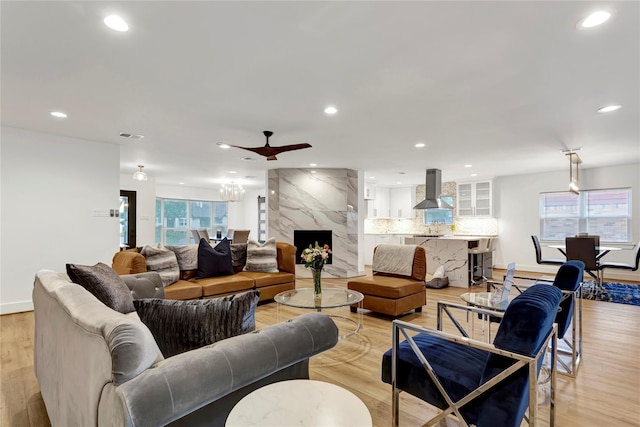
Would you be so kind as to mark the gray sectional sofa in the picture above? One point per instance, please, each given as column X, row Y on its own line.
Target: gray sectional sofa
column 97, row 366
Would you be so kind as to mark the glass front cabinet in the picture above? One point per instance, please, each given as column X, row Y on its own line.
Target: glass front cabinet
column 474, row 199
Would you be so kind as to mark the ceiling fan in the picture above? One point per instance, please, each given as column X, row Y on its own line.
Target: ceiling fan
column 270, row 152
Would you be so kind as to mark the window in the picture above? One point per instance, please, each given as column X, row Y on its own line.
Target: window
column 174, row 219
column 606, row 213
column 440, row 215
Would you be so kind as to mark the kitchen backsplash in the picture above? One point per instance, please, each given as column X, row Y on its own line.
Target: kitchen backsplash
column 462, row 226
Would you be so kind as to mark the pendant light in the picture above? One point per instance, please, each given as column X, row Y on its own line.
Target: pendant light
column 139, row 175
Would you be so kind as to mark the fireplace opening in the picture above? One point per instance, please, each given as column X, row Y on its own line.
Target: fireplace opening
column 303, row 238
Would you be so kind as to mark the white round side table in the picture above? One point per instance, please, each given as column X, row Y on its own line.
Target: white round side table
column 300, row 403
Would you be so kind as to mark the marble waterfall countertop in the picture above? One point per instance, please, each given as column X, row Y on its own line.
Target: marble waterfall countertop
column 452, row 252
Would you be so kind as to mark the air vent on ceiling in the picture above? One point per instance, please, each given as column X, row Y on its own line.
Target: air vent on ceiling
column 131, row 135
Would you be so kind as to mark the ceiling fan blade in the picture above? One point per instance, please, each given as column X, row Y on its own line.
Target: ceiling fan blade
column 291, row 147
column 269, row 151
column 257, row 150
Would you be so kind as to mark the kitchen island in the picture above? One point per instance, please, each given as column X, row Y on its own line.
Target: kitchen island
column 450, row 251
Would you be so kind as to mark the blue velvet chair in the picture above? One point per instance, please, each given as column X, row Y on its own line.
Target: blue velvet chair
column 482, row 384
column 569, row 280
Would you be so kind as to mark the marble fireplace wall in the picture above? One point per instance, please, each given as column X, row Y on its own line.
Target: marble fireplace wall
column 325, row 200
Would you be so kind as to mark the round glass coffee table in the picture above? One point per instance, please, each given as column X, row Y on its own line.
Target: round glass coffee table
column 331, row 298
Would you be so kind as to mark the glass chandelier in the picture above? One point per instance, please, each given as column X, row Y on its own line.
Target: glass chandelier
column 139, row 175
column 231, row 192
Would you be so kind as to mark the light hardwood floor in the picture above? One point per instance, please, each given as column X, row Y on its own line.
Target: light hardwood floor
column 606, row 391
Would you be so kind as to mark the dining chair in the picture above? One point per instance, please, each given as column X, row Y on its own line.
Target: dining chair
column 230, row 233
column 204, row 234
column 241, row 236
column 539, row 259
column 622, row 265
column 196, row 235
column 584, row 249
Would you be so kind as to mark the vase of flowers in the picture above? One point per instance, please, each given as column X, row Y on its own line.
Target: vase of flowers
column 315, row 257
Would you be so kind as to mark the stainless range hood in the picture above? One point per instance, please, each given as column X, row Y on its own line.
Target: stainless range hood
column 433, row 189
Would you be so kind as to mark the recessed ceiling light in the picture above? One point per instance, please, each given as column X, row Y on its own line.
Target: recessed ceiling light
column 467, row 166
column 59, row 114
column 182, row 183
column 223, row 145
column 596, row 18
column 312, row 164
column 372, row 177
column 474, row 174
column 233, row 171
column 609, row 108
column 330, row 110
column 116, row 23
column 420, row 145
column 313, row 171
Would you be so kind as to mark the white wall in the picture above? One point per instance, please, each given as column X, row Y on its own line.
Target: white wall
column 244, row 215
column 517, row 204
column 50, row 187
column 145, row 207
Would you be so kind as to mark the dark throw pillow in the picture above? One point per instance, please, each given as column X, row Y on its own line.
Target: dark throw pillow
column 104, row 283
column 213, row 262
column 180, row 326
column 238, row 256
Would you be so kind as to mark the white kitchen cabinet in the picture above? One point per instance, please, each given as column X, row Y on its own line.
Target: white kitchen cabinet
column 369, row 192
column 381, row 203
column 401, row 202
column 474, row 199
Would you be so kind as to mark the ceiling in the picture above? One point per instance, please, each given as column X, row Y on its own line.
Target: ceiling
column 503, row 86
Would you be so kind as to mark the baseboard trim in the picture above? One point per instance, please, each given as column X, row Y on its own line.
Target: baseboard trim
column 16, row 307
column 609, row 275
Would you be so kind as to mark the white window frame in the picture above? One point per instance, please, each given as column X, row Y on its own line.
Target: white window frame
column 582, row 218
column 185, row 223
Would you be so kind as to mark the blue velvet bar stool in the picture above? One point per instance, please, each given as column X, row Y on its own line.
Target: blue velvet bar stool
column 483, row 384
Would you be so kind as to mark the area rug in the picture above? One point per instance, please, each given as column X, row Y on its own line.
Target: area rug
column 622, row 293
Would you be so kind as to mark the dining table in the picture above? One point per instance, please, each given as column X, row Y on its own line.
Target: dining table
column 602, row 250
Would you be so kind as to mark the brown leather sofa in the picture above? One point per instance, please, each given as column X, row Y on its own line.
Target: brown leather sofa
column 269, row 284
column 394, row 294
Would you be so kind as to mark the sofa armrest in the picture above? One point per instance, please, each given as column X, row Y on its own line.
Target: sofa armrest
column 286, row 254
column 144, row 285
column 129, row 262
column 183, row 383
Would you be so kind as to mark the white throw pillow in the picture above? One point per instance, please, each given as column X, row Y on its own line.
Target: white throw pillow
column 163, row 261
column 262, row 257
column 439, row 272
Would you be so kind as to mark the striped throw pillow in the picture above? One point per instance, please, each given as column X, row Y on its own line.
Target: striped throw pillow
column 262, row 257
